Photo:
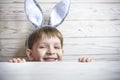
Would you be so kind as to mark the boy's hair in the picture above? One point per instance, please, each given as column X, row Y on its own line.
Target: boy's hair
column 46, row 31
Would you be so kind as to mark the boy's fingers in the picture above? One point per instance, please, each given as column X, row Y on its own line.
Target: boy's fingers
column 88, row 60
column 23, row 60
column 14, row 60
column 17, row 60
column 80, row 59
column 92, row 60
column 83, row 59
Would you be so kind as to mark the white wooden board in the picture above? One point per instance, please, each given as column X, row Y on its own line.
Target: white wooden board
column 60, row 71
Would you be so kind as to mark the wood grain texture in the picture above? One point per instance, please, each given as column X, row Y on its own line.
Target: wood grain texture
column 50, row 1
column 60, row 71
column 85, row 12
column 92, row 28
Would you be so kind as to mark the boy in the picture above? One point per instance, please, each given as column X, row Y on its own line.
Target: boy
column 45, row 45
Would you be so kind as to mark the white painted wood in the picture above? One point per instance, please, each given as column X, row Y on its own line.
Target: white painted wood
column 92, row 46
column 21, row 29
column 92, row 28
column 85, row 12
column 50, row 1
column 71, row 45
column 74, row 57
column 60, row 71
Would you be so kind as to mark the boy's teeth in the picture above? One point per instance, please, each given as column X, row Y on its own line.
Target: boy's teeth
column 49, row 59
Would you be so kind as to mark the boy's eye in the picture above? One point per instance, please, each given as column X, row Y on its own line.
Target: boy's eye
column 57, row 47
column 42, row 47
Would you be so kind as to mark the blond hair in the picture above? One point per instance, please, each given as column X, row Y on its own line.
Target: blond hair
column 46, row 31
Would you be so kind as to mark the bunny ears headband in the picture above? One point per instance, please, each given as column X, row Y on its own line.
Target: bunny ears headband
column 35, row 15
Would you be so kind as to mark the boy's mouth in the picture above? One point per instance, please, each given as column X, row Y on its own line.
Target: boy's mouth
column 50, row 59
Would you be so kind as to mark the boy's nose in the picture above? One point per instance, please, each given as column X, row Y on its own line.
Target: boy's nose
column 51, row 51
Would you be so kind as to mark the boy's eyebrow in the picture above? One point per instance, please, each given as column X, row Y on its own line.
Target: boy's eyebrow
column 42, row 43
column 57, row 43
column 47, row 43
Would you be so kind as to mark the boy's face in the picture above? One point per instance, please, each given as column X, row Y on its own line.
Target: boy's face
column 46, row 50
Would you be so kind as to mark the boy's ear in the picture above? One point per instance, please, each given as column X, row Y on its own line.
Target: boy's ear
column 29, row 54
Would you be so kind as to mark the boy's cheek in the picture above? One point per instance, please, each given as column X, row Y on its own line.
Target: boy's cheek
column 60, row 56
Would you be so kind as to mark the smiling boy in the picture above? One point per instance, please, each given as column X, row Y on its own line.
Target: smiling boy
column 45, row 45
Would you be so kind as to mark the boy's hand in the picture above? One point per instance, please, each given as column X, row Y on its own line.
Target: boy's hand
column 84, row 59
column 17, row 60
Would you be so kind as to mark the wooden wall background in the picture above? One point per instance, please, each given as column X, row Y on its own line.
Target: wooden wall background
column 91, row 29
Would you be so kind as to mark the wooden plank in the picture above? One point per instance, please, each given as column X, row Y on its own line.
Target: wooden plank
column 72, row 46
column 90, row 28
column 94, row 11
column 96, row 41
column 60, row 71
column 15, row 27
column 13, row 36
column 68, row 42
column 95, row 1
column 76, row 46
column 95, row 57
column 13, row 52
column 12, row 47
column 70, row 58
column 22, row 1
column 85, row 12
column 16, row 43
column 93, row 29
column 21, row 29
column 50, row 1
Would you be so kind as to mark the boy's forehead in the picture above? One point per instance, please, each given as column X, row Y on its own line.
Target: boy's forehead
column 54, row 39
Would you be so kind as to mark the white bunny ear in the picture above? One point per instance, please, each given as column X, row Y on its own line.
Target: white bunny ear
column 59, row 13
column 34, row 12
